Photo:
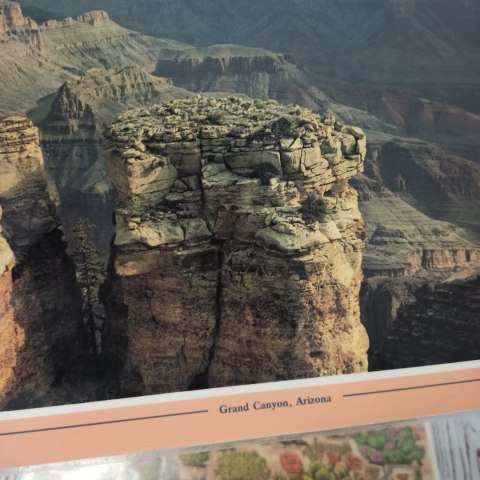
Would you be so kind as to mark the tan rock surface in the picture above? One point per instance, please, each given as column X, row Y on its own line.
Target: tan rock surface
column 40, row 304
column 216, row 271
column 28, row 200
column 10, row 334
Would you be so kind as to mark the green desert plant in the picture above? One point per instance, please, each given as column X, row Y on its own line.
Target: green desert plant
column 283, row 127
column 195, row 459
column 390, row 446
column 316, row 450
column 233, row 465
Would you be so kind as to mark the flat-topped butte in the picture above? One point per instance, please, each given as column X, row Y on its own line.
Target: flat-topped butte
column 236, row 219
column 200, row 117
column 180, row 169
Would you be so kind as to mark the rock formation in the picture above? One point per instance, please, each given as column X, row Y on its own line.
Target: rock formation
column 27, row 198
column 9, row 337
column 12, row 19
column 423, row 323
column 238, row 246
column 72, row 140
column 40, row 304
column 403, row 242
column 254, row 72
column 439, row 184
column 39, row 58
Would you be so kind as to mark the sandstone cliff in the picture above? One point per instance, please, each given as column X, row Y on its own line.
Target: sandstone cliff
column 27, row 198
column 237, row 254
column 39, row 300
column 72, row 141
column 10, row 338
column 12, row 19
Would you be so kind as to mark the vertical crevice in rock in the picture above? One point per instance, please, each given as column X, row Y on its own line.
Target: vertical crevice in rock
column 201, row 380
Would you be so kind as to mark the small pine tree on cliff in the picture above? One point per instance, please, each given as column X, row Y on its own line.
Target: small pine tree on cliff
column 90, row 273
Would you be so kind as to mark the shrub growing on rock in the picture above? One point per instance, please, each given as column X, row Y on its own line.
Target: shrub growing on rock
column 313, row 209
column 216, row 118
column 265, row 172
column 283, row 127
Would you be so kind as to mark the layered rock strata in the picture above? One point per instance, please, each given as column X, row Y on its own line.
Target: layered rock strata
column 403, row 242
column 432, row 322
column 72, row 141
column 238, row 246
column 12, row 19
column 27, row 198
column 40, row 304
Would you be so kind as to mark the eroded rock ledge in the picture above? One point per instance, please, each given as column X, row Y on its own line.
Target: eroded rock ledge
column 238, row 247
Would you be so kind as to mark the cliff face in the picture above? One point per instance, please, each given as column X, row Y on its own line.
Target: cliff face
column 438, row 324
column 72, row 141
column 408, row 251
column 28, row 200
column 12, row 19
column 9, row 336
column 403, row 242
column 40, row 302
column 254, row 72
column 439, row 184
column 237, row 255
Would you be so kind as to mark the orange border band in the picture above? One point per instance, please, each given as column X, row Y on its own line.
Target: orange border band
column 29, row 439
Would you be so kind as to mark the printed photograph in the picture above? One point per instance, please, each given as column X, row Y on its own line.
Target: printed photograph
column 211, row 193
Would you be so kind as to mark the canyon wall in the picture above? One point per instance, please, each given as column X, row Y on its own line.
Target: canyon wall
column 408, row 251
column 40, row 302
column 434, row 323
column 238, row 246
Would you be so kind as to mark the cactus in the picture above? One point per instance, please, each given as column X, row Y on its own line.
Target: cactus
column 233, row 465
column 390, row 446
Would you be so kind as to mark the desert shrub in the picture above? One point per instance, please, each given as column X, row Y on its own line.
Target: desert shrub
column 283, row 127
column 195, row 459
column 313, row 209
column 257, row 136
column 265, row 171
column 233, row 465
column 215, row 118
